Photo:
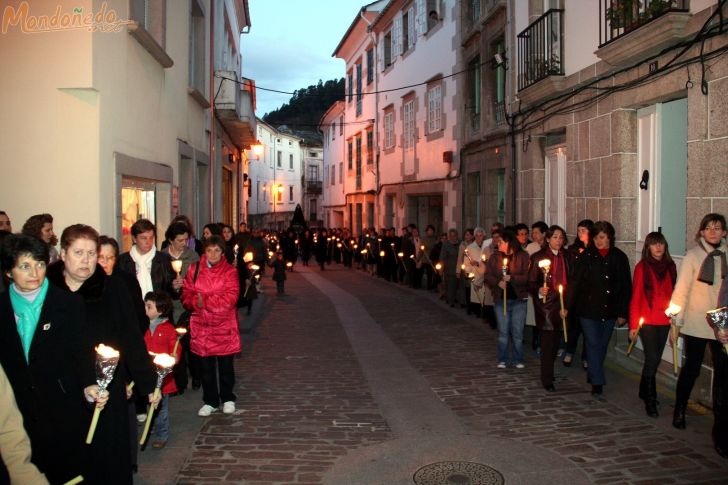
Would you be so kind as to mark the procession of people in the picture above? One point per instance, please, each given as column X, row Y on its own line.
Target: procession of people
column 81, row 403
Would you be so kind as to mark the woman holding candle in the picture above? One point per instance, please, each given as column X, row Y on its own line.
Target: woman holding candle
column 506, row 274
column 214, row 325
column 544, row 288
column 599, row 292
column 654, row 279
column 696, row 292
column 111, row 320
column 474, row 269
column 47, row 357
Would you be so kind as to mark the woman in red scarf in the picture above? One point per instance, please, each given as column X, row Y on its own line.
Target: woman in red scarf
column 654, row 280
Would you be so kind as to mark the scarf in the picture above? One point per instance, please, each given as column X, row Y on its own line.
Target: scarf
column 707, row 269
column 659, row 269
column 143, row 268
column 558, row 273
column 27, row 312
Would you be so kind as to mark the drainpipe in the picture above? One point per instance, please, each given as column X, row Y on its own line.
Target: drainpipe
column 212, row 110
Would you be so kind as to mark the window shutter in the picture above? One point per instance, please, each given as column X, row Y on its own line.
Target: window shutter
column 380, row 53
column 397, row 36
column 411, row 35
column 421, row 17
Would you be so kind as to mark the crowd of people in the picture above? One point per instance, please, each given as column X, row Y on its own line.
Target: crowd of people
column 181, row 298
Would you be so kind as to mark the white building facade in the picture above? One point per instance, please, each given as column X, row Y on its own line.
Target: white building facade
column 275, row 178
column 334, row 154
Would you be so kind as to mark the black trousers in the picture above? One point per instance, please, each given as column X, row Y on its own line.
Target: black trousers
column 653, row 339
column 217, row 370
column 451, row 286
column 550, row 340
column 694, row 354
column 574, row 331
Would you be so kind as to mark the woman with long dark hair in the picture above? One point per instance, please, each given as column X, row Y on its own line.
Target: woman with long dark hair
column 509, row 277
column 654, row 280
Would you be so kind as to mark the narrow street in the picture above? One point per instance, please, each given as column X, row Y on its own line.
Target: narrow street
column 350, row 379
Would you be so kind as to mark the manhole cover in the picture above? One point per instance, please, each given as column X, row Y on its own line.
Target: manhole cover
column 457, row 473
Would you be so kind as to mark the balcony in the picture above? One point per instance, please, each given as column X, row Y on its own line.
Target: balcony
column 541, row 49
column 234, row 104
column 630, row 29
column 499, row 113
column 314, row 186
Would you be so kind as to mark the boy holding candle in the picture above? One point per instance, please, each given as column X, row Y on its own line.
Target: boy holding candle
column 160, row 339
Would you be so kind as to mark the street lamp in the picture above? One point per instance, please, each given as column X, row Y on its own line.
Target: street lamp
column 258, row 149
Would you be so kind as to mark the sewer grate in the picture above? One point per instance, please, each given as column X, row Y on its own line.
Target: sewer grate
column 457, row 473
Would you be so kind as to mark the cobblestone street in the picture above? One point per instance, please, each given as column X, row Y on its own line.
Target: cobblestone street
column 350, row 379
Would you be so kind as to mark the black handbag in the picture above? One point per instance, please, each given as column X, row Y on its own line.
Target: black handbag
column 184, row 318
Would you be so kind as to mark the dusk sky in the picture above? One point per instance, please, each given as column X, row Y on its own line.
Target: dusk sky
column 290, row 44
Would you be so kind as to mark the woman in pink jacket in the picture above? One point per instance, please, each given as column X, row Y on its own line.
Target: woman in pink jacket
column 210, row 293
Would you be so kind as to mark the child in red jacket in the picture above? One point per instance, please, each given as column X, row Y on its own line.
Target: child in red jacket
column 160, row 339
column 654, row 280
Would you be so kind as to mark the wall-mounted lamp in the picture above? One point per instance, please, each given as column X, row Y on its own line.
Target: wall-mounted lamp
column 499, row 59
column 258, row 149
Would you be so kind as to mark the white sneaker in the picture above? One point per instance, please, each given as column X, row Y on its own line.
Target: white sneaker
column 520, row 365
column 206, row 410
column 141, row 418
column 228, row 407
column 501, row 365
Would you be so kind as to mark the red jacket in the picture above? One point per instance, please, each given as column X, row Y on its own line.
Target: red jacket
column 214, row 327
column 639, row 307
column 162, row 342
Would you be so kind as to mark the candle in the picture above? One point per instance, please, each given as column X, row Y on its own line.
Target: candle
column 672, row 311
column 504, row 269
column 177, row 266
column 296, row 241
column 563, row 320
column 400, row 254
column 255, row 267
column 631, row 344
column 545, row 265
column 381, row 254
column 181, row 332
column 248, row 257
column 289, row 265
column 107, row 359
column 438, row 266
column 163, row 364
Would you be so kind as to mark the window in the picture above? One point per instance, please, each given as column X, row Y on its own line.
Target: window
column 333, row 174
column 312, row 154
column 290, row 193
column 326, row 174
column 370, row 147
column 358, row 162
column 405, row 32
column 387, row 46
column 341, row 126
column 341, row 172
column 333, row 131
column 434, row 108
column 350, row 84
column 279, row 159
column 290, row 161
column 433, row 13
column 499, row 84
column 358, row 89
column 151, row 16
column 389, row 129
column 370, row 65
column 313, row 172
column 408, row 124
column 197, row 47
column 474, row 11
column 350, row 155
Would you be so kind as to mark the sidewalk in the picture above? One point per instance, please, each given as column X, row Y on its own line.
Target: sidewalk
column 351, row 379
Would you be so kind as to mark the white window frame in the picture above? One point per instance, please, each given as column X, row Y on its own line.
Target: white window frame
column 408, row 124
column 389, row 130
column 434, row 108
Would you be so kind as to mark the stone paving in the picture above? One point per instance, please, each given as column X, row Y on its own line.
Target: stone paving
column 305, row 406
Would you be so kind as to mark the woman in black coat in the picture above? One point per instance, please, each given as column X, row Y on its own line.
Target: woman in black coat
column 52, row 368
column 599, row 293
column 321, row 248
column 110, row 320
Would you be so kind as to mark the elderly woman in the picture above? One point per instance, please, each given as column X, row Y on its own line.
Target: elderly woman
column 599, row 292
column 474, row 257
column 210, row 292
column 47, row 358
column 111, row 320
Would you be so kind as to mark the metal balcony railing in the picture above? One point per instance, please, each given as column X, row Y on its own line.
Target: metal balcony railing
column 314, row 186
column 499, row 113
column 620, row 17
column 541, row 49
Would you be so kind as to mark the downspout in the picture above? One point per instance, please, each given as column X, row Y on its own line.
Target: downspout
column 212, row 110
column 509, row 27
column 373, row 38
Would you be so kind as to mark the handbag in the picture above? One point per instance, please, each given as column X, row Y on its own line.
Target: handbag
column 184, row 318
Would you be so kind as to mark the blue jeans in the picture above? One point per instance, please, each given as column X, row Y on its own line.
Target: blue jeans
column 161, row 423
column 597, row 334
column 511, row 325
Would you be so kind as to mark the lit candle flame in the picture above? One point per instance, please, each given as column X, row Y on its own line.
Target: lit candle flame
column 180, row 331
column 289, row 264
column 505, row 262
column 471, row 275
column 673, row 310
column 255, row 267
column 422, row 248
column 462, row 266
column 438, row 266
column 248, row 257
column 106, row 352
column 296, row 241
column 642, row 320
column 177, row 265
column 400, row 254
column 164, row 360
column 544, row 263
column 381, row 254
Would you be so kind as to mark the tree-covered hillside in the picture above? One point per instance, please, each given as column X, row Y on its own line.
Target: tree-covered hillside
column 307, row 105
